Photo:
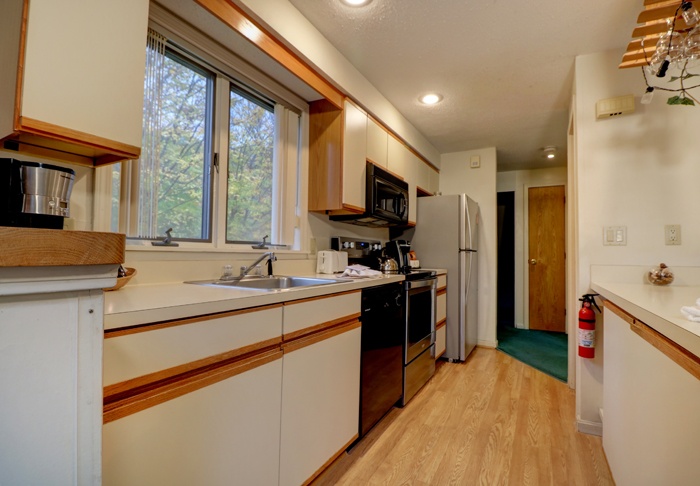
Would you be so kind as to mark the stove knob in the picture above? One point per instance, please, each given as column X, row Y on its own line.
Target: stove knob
column 352, row 244
column 346, row 244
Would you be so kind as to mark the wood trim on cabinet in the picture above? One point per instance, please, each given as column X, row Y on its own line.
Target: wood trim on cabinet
column 422, row 192
column 152, row 380
column 124, row 331
column 441, row 324
column 124, row 406
column 330, row 461
column 321, row 297
column 116, row 150
column 442, row 290
column 628, row 318
column 678, row 354
column 307, row 340
column 20, row 63
column 240, row 21
column 325, row 156
column 301, row 333
column 38, row 247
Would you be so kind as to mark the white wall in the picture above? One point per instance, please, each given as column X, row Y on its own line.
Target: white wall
column 457, row 177
column 289, row 24
column 639, row 170
column 518, row 181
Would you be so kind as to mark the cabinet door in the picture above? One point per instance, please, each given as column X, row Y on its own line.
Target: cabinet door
column 190, row 341
column 82, row 74
column 650, row 405
column 434, row 181
column 222, row 434
column 50, row 393
column 397, row 156
column 377, row 143
column 354, row 157
column 320, row 402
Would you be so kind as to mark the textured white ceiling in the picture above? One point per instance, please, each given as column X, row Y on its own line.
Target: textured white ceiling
column 505, row 68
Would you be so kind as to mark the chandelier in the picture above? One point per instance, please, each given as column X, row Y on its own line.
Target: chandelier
column 668, row 49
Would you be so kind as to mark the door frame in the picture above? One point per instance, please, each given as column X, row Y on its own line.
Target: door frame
column 526, row 251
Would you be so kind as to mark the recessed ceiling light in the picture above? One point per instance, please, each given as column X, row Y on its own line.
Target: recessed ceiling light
column 430, row 99
column 356, row 3
column 550, row 152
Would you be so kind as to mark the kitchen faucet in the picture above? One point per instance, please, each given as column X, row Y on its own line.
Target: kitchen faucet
column 228, row 275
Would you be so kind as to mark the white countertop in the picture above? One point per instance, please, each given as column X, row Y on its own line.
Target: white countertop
column 141, row 304
column 656, row 306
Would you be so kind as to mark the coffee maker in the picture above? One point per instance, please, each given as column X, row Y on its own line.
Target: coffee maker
column 399, row 251
column 34, row 195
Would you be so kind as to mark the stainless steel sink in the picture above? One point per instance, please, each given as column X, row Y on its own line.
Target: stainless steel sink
column 274, row 283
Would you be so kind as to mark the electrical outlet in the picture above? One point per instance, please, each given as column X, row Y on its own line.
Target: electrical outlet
column 673, row 234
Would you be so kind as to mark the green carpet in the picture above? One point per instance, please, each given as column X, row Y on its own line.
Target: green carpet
column 543, row 350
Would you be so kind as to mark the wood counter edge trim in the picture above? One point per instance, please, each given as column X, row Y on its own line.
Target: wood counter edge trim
column 441, row 324
column 125, row 331
column 442, row 290
column 677, row 353
column 319, row 297
column 309, row 339
column 330, row 461
column 156, row 396
column 152, row 380
column 629, row 318
column 39, row 247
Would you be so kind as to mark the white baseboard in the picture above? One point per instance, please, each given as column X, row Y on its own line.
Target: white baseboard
column 590, row 428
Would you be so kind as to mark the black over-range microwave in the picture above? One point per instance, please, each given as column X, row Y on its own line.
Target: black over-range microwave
column 386, row 200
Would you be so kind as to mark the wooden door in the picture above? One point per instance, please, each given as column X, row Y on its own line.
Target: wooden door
column 546, row 258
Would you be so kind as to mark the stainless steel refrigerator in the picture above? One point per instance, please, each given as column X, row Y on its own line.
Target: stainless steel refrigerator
column 446, row 236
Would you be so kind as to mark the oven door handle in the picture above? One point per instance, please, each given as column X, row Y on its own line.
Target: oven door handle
column 416, row 284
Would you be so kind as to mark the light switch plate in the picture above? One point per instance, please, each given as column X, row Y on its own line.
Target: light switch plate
column 615, row 235
column 475, row 161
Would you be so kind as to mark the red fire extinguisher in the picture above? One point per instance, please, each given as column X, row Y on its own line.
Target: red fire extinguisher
column 586, row 326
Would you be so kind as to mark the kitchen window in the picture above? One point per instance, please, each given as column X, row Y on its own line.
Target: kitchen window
column 220, row 159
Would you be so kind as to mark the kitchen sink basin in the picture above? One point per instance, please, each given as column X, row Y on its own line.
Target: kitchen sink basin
column 274, row 283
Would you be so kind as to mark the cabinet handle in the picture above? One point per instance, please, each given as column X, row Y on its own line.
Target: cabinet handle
column 533, row 262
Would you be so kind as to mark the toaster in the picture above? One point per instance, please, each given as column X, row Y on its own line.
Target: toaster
column 329, row 261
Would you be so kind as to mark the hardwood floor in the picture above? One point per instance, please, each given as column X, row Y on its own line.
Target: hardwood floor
column 490, row 420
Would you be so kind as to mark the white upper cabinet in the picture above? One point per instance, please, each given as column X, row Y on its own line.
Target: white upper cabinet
column 72, row 81
column 434, row 181
column 377, row 143
column 354, row 156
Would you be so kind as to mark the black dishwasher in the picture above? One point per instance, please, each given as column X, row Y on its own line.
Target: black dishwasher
column 381, row 383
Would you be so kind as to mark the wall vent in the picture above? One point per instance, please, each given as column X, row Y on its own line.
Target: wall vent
column 622, row 105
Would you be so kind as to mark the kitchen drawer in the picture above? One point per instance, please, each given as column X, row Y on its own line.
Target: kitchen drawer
column 305, row 316
column 132, row 353
column 441, row 281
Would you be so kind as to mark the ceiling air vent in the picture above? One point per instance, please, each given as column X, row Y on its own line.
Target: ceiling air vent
column 611, row 107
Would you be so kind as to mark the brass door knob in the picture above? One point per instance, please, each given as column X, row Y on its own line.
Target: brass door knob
column 533, row 262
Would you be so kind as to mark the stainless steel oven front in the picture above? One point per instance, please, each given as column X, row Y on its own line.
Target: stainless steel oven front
column 419, row 344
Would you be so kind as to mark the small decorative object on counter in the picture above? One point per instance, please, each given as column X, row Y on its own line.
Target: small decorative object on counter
column 124, row 274
column 660, row 275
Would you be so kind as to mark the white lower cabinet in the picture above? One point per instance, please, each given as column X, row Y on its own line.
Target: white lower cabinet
column 320, row 401
column 650, row 410
column 221, row 434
